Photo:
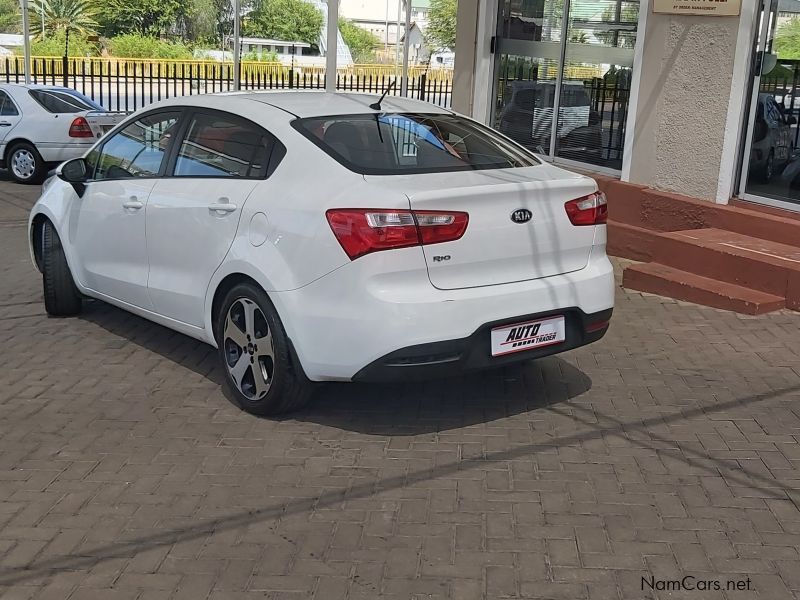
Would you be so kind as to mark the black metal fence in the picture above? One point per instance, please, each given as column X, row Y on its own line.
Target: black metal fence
column 127, row 85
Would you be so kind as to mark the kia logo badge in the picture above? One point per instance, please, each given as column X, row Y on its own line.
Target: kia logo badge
column 521, row 215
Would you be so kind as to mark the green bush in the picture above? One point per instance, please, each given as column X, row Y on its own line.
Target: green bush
column 133, row 45
column 263, row 57
column 54, row 45
column 362, row 43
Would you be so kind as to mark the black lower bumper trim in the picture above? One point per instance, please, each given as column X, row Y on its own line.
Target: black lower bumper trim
column 451, row 357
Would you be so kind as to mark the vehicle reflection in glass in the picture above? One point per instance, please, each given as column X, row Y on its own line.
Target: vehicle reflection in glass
column 528, row 117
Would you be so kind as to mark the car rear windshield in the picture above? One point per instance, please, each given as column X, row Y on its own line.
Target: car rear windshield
column 64, row 101
column 392, row 144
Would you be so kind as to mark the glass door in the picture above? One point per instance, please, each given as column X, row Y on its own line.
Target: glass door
column 528, row 53
column 570, row 58
column 771, row 169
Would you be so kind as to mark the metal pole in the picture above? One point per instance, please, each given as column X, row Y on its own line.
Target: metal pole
column 237, row 44
column 26, row 40
column 386, row 30
column 406, row 47
column 331, row 50
column 397, row 44
column 559, row 77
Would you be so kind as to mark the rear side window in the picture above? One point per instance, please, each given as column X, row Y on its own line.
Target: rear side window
column 7, row 106
column 219, row 146
column 391, row 144
column 56, row 101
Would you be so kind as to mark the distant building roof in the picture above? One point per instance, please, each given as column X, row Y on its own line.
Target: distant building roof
column 11, row 39
column 255, row 41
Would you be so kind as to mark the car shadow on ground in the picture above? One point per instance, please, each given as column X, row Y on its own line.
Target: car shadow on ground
column 420, row 407
column 395, row 409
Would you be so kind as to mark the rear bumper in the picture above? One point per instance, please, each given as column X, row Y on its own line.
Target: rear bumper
column 373, row 308
column 451, row 357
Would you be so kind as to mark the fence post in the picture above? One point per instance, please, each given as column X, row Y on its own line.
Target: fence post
column 65, row 71
column 423, row 80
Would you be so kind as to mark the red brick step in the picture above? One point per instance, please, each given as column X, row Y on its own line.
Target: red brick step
column 667, row 281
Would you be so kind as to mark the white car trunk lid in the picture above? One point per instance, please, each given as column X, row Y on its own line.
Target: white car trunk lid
column 102, row 122
column 495, row 248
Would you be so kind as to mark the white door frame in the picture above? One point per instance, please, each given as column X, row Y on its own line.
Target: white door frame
column 636, row 81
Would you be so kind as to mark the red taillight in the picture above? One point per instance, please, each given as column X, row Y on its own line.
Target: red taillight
column 361, row 231
column 79, row 128
column 589, row 210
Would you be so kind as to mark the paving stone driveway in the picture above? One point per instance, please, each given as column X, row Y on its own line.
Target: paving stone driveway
column 668, row 449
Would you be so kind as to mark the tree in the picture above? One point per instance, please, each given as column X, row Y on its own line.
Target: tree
column 147, row 17
column 56, row 44
column 207, row 21
column 628, row 15
column 289, row 20
column 787, row 41
column 68, row 16
column 10, row 17
column 362, row 43
column 441, row 30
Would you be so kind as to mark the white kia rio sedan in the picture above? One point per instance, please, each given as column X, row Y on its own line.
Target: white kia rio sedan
column 328, row 237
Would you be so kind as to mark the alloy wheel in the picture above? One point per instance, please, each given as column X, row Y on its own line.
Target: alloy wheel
column 23, row 163
column 249, row 349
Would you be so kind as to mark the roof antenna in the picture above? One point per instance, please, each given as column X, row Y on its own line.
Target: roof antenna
column 377, row 105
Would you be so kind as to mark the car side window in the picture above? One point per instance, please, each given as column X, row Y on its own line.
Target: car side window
column 139, row 149
column 217, row 145
column 7, row 106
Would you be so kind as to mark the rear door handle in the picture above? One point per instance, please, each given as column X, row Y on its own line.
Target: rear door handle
column 132, row 204
column 5, row 124
column 222, row 207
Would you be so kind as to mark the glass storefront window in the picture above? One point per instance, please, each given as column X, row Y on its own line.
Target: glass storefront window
column 591, row 96
column 772, row 163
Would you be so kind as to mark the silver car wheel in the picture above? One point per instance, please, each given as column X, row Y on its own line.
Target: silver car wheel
column 249, row 349
column 23, row 163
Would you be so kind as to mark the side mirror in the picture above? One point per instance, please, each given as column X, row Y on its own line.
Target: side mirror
column 74, row 172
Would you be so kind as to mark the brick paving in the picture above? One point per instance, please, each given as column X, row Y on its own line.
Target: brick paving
column 668, row 449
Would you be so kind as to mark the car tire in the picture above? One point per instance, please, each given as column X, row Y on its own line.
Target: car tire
column 61, row 297
column 25, row 164
column 263, row 376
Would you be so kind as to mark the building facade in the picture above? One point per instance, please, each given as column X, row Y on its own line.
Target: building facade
column 384, row 19
column 698, row 98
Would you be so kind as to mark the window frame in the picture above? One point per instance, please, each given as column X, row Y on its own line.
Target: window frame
column 162, row 171
column 275, row 153
column 14, row 104
column 298, row 125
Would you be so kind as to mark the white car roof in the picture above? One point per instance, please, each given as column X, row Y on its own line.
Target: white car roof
column 311, row 103
column 38, row 86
